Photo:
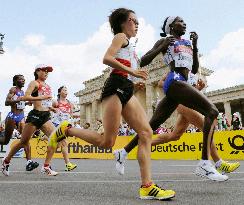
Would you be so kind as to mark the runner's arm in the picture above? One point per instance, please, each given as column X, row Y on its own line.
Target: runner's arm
column 9, row 101
column 31, row 88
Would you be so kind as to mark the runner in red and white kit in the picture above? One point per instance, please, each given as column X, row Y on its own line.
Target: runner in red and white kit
column 63, row 111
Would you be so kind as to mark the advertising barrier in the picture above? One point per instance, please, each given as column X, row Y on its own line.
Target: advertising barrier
column 4, row 149
column 230, row 145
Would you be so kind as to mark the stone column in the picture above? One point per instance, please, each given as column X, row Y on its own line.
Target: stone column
column 94, row 114
column 82, row 114
column 149, row 100
column 99, row 110
column 88, row 113
column 227, row 108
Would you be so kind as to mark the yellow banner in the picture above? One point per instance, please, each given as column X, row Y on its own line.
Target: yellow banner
column 230, row 145
column 77, row 149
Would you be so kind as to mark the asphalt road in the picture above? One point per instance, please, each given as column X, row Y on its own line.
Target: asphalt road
column 96, row 182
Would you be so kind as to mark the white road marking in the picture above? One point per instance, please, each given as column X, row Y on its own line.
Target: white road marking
column 110, row 181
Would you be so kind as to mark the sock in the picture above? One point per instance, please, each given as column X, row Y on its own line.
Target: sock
column 123, row 152
column 28, row 162
column 146, row 185
column 218, row 163
column 205, row 161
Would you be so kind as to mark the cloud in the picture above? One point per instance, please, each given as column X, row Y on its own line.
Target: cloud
column 33, row 40
column 227, row 61
column 73, row 63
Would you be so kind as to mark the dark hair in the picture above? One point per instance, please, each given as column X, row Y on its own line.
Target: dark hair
column 163, row 28
column 15, row 78
column 117, row 17
column 35, row 74
column 59, row 91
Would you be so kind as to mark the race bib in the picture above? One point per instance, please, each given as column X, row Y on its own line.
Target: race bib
column 64, row 116
column 183, row 60
column 20, row 105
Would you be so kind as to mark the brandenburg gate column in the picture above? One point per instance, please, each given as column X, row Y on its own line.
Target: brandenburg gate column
column 227, row 108
column 94, row 113
column 82, row 113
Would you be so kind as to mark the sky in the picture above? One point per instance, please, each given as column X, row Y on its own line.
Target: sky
column 73, row 36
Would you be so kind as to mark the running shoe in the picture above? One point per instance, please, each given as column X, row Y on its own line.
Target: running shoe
column 120, row 161
column 5, row 168
column 48, row 171
column 227, row 167
column 206, row 169
column 156, row 192
column 59, row 134
column 32, row 165
column 70, row 166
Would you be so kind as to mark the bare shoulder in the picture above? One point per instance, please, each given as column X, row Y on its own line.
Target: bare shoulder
column 159, row 42
column 34, row 83
column 120, row 38
column 12, row 90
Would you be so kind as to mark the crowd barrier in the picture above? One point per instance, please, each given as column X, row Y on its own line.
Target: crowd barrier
column 230, row 145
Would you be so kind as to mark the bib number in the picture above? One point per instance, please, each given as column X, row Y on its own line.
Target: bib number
column 183, row 60
column 20, row 105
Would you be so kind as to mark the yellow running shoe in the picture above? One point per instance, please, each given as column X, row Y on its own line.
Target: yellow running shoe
column 70, row 166
column 155, row 192
column 59, row 134
column 227, row 167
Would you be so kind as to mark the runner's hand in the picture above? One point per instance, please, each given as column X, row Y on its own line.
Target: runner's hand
column 200, row 84
column 194, row 38
column 140, row 85
column 140, row 74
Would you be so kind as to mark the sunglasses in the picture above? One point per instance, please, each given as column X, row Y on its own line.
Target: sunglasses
column 134, row 21
column 42, row 69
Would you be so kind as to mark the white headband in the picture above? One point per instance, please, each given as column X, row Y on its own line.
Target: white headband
column 169, row 21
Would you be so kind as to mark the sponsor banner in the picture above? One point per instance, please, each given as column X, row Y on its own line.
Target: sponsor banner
column 78, row 149
column 230, row 146
column 4, row 149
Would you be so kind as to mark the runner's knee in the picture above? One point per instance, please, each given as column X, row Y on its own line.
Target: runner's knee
column 24, row 142
column 145, row 135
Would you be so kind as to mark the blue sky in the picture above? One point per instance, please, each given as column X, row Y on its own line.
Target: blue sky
column 72, row 36
column 72, row 21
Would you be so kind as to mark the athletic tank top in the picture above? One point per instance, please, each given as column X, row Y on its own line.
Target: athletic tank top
column 127, row 56
column 181, row 53
column 64, row 112
column 43, row 90
column 21, row 104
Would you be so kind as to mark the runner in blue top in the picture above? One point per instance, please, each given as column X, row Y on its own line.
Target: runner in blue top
column 16, row 118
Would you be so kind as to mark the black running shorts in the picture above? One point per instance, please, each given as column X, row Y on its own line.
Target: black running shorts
column 38, row 118
column 119, row 85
